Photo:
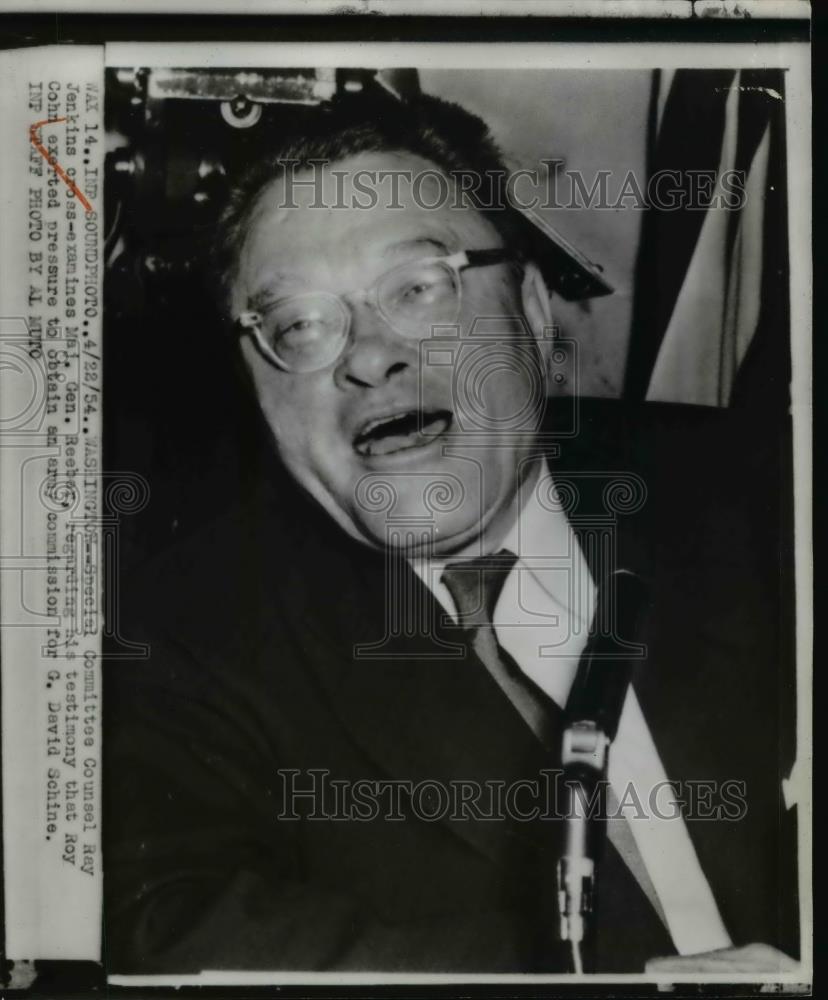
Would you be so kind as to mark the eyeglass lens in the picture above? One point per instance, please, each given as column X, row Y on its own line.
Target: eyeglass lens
column 307, row 332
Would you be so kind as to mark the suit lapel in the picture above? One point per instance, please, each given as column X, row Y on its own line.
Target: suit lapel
column 415, row 699
column 704, row 667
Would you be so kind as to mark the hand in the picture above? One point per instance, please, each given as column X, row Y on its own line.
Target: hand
column 761, row 959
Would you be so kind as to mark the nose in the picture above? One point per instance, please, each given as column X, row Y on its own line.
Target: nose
column 375, row 354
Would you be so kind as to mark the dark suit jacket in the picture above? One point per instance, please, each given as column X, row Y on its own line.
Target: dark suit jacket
column 252, row 622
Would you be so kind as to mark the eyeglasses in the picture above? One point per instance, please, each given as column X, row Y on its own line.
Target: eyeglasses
column 309, row 331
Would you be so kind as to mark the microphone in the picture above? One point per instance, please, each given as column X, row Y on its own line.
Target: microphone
column 592, row 714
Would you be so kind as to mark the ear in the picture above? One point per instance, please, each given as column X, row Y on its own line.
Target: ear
column 536, row 306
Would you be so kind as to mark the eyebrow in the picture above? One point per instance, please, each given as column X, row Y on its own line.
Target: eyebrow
column 270, row 293
column 422, row 241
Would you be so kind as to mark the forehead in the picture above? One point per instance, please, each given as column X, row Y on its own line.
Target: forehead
column 356, row 211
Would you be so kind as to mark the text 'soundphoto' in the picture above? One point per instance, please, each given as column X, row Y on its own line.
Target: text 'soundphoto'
column 403, row 574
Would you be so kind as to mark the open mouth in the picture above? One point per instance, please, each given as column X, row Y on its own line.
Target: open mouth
column 401, row 431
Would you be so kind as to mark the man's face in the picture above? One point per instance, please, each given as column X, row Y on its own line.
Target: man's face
column 409, row 441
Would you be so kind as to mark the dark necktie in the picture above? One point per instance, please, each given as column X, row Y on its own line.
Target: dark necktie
column 475, row 586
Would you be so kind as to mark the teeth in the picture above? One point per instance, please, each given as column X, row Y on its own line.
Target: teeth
column 400, row 432
column 369, row 427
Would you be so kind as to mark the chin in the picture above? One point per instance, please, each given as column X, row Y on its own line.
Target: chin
column 435, row 538
column 413, row 512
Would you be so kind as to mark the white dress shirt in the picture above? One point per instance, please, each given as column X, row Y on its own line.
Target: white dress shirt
column 542, row 620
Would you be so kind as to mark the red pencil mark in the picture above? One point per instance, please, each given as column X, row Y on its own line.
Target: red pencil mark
column 34, row 138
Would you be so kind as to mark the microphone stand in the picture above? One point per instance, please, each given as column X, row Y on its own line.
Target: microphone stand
column 593, row 712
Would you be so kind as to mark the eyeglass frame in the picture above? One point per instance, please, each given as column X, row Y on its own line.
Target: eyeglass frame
column 250, row 321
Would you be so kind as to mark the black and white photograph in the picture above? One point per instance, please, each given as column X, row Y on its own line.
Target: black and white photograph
column 424, row 484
